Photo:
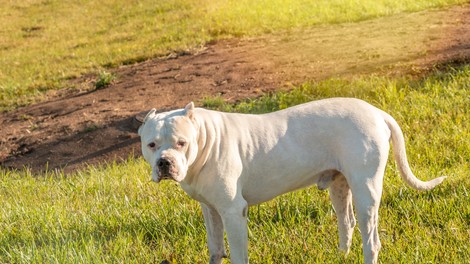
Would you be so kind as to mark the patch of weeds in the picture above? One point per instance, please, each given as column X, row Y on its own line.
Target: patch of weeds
column 26, row 117
column 213, row 102
column 104, row 79
column 217, row 103
column 91, row 128
column 32, row 126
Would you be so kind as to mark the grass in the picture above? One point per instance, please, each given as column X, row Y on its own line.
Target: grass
column 104, row 79
column 45, row 43
column 114, row 214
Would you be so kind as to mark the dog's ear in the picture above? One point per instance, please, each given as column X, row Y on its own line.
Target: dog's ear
column 189, row 110
column 150, row 114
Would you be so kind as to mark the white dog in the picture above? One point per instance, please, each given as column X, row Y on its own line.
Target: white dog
column 228, row 162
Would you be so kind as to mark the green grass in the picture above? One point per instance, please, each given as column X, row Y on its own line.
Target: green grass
column 104, row 79
column 114, row 214
column 44, row 43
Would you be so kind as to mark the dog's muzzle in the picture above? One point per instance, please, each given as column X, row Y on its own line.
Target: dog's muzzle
column 166, row 168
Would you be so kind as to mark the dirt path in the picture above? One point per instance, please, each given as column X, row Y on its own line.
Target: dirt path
column 91, row 127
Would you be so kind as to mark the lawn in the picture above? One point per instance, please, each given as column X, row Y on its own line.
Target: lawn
column 114, row 214
column 43, row 43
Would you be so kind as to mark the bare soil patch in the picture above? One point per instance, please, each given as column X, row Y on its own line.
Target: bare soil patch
column 76, row 128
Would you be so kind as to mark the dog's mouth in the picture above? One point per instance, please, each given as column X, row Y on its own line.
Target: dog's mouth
column 167, row 174
column 166, row 168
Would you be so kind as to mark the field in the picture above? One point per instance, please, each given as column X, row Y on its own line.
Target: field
column 112, row 213
column 88, row 36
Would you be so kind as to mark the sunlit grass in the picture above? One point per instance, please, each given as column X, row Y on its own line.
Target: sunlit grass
column 99, row 215
column 114, row 214
column 44, row 43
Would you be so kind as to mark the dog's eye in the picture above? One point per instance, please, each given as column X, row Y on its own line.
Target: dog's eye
column 181, row 143
column 151, row 145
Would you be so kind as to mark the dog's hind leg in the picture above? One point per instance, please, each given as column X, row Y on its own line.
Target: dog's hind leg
column 215, row 234
column 341, row 198
column 367, row 194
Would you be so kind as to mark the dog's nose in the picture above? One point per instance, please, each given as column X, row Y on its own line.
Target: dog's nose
column 163, row 164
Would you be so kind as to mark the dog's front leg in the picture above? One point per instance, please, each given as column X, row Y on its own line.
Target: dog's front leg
column 235, row 223
column 215, row 234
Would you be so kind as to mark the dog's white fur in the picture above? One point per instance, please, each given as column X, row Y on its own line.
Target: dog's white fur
column 228, row 162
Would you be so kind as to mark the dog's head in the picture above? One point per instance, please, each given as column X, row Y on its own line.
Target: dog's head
column 169, row 142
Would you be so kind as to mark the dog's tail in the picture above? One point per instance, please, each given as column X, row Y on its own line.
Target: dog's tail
column 399, row 152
